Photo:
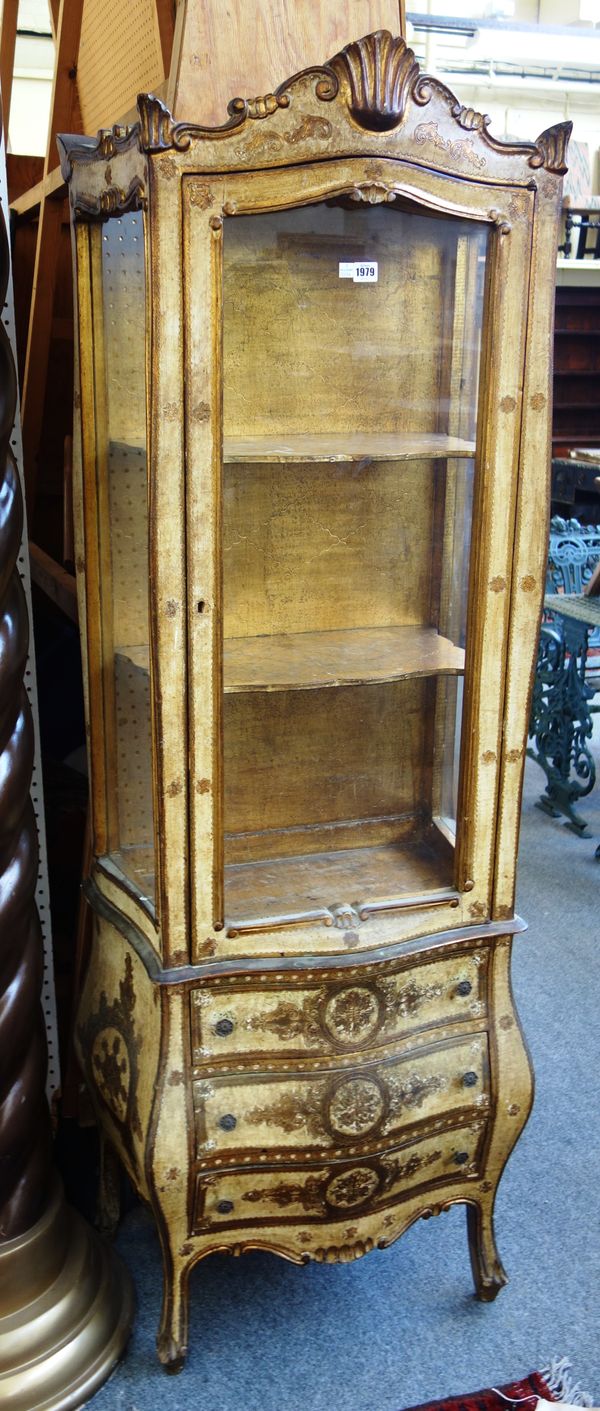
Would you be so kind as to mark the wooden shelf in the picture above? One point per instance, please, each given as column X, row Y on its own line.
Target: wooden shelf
column 345, row 446
column 300, row 661
column 294, row 885
column 310, row 660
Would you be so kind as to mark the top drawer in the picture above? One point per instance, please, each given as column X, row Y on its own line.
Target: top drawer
column 347, row 1010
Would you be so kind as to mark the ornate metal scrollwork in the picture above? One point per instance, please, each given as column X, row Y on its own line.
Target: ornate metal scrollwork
column 561, row 723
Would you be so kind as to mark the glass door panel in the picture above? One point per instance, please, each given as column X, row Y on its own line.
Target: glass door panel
column 119, row 291
column 351, row 351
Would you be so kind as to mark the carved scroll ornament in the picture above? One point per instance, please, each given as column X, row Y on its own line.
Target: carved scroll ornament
column 376, row 79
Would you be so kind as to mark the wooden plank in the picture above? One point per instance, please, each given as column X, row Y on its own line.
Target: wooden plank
column 38, row 340
column 64, row 91
column 221, row 51
column 54, row 581
column 341, row 446
column 8, row 38
column 23, row 171
column 50, row 185
column 63, row 108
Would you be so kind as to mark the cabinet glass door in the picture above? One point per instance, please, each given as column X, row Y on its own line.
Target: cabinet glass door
column 119, row 322
column 352, row 338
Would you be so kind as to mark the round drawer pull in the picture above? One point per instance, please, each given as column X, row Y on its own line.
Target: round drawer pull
column 470, row 1079
column 228, row 1122
column 464, row 987
column 460, row 1157
column 225, row 1207
column 224, row 1027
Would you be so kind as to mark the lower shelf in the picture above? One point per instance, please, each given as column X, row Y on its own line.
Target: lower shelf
column 342, row 881
column 338, row 886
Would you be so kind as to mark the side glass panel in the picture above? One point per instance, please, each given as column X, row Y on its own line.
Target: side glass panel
column 120, row 378
column 352, row 340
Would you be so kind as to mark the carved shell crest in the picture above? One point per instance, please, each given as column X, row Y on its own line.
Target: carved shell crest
column 380, row 72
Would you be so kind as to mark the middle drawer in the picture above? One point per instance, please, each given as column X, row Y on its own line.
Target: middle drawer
column 330, row 1109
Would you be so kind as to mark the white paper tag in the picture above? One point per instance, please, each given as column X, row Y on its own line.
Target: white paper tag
column 360, row 271
column 558, row 1406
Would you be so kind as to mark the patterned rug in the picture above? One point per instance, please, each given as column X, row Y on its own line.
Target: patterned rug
column 554, row 1384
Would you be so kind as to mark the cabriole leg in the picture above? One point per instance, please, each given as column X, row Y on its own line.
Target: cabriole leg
column 108, row 1209
column 488, row 1274
column 172, row 1339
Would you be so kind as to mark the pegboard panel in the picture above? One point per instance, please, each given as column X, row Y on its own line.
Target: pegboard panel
column 129, row 543
column 119, row 56
column 134, row 748
column 42, row 896
column 124, row 294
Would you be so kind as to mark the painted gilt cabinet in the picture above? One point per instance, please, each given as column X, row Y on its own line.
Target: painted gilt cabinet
column 313, row 414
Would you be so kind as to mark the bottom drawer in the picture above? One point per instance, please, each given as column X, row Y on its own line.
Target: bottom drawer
column 319, row 1193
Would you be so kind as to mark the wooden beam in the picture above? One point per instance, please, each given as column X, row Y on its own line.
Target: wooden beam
column 8, row 39
column 62, row 107
column 54, row 581
column 29, row 202
column 165, row 14
column 64, row 91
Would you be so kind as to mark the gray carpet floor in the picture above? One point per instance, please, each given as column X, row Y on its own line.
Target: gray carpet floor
column 401, row 1326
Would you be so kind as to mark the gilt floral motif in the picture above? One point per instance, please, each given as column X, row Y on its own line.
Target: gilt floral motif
column 352, row 1188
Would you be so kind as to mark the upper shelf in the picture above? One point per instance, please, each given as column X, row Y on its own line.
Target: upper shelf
column 301, row 661
column 345, row 446
column 355, row 656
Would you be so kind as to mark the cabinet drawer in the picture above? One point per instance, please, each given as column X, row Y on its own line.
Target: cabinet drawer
column 334, row 1011
column 333, row 1110
column 320, row 1193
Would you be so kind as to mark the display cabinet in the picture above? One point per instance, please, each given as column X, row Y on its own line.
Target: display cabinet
column 313, row 409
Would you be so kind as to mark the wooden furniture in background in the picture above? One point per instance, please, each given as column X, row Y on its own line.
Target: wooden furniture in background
column 314, row 367
column 576, row 399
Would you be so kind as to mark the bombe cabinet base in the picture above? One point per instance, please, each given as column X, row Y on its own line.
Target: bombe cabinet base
column 312, row 1112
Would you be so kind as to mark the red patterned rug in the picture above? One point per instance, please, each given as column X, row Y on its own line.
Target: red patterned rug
column 554, row 1384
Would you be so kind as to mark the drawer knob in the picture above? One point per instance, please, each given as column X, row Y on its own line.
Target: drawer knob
column 460, row 1157
column 224, row 1027
column 228, row 1122
column 225, row 1207
column 464, row 987
column 469, row 1079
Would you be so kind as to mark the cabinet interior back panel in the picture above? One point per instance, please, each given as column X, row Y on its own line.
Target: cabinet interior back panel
column 301, row 760
column 308, row 351
column 316, row 547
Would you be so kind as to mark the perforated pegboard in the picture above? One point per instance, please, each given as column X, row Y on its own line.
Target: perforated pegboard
column 42, row 896
column 119, row 56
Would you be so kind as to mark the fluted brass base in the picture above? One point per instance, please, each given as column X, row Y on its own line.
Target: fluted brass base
column 66, row 1309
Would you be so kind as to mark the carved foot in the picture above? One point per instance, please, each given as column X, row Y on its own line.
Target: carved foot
column 488, row 1274
column 108, row 1206
column 172, row 1338
column 170, row 1355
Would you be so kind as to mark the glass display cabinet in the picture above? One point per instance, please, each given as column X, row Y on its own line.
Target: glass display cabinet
column 312, row 406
